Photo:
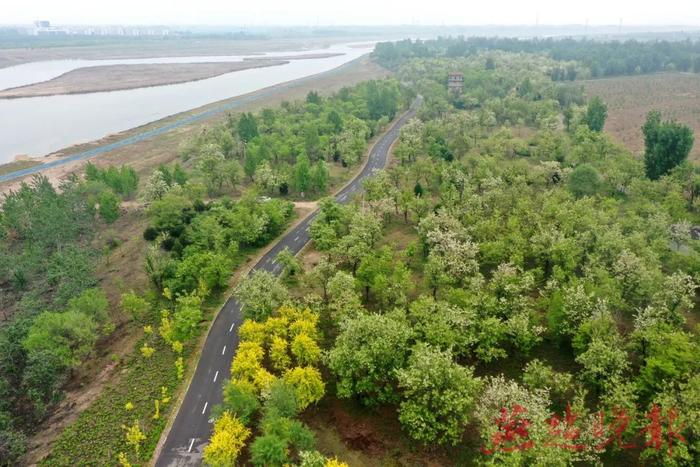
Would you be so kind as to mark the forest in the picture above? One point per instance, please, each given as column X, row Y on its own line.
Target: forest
column 514, row 288
column 579, row 58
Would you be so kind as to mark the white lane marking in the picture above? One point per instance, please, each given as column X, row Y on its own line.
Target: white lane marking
column 268, row 260
column 205, row 407
column 191, row 443
column 231, row 328
column 296, row 239
column 274, row 261
column 223, row 351
column 216, row 375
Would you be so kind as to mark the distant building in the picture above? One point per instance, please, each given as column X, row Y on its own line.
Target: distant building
column 455, row 82
column 43, row 27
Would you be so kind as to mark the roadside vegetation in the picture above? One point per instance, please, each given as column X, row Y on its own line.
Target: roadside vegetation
column 205, row 215
column 516, row 288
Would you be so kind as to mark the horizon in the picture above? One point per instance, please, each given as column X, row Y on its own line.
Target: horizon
column 357, row 13
column 637, row 27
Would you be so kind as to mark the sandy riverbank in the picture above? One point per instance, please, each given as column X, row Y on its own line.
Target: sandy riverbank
column 121, row 77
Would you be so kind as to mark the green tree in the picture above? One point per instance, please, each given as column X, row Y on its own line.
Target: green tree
column 366, row 354
column 241, row 400
column 250, row 164
column 135, row 305
column 667, row 144
column 187, row 316
column 320, row 176
column 12, row 444
column 670, row 359
column 437, row 396
column 344, row 302
column 302, row 174
column 206, row 268
column 281, row 400
column 247, row 127
column 596, row 113
column 269, row 451
column 388, row 279
column 313, row 98
column 92, row 303
column 109, row 206
column 69, row 336
column 584, row 181
column 260, row 293
column 335, row 120
column 290, row 264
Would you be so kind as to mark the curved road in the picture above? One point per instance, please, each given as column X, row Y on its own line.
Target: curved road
column 191, row 428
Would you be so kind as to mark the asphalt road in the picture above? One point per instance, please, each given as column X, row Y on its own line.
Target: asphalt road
column 192, row 426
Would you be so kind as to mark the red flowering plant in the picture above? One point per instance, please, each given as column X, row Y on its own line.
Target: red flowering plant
column 522, row 430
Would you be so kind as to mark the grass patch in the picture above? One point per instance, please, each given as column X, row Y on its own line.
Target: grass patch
column 97, row 436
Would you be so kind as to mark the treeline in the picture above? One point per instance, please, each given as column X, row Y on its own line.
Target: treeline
column 292, row 149
column 609, row 58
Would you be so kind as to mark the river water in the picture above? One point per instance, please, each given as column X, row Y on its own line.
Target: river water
column 37, row 126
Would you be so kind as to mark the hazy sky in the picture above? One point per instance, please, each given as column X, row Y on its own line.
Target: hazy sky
column 312, row 12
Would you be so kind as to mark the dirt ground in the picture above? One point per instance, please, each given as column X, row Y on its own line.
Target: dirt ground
column 120, row 77
column 367, row 438
column 630, row 98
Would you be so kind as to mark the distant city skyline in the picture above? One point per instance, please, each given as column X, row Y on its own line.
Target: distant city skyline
column 357, row 12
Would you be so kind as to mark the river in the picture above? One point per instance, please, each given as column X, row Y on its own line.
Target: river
column 37, row 126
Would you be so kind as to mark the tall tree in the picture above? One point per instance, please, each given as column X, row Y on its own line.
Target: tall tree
column 667, row 144
column 596, row 114
column 247, row 127
column 302, row 174
column 320, row 176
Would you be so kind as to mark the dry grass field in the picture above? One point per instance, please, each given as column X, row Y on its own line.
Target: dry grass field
column 630, row 98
